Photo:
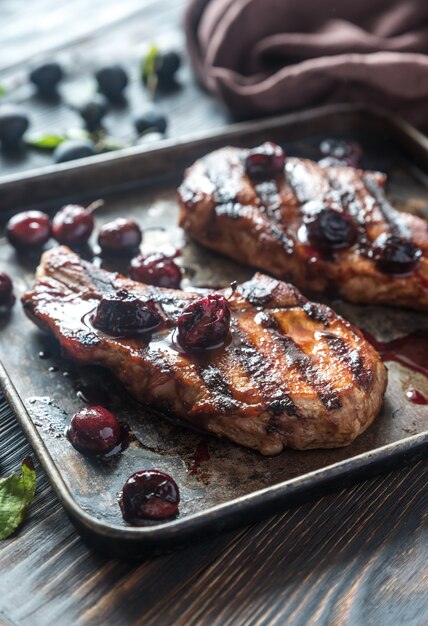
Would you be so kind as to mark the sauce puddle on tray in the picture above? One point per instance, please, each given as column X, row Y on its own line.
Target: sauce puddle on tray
column 410, row 351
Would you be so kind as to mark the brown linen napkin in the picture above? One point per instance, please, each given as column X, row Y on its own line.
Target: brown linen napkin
column 270, row 56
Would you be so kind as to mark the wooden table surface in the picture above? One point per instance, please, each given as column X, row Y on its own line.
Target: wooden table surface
column 356, row 557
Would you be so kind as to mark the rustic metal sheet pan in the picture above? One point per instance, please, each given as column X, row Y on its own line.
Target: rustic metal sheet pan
column 234, row 486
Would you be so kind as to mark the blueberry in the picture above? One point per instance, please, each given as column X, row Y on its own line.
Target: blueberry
column 94, row 111
column 112, row 81
column 152, row 120
column 73, row 149
column 164, row 66
column 13, row 124
column 46, row 78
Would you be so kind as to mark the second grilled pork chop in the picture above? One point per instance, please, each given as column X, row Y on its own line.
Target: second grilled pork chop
column 293, row 374
column 262, row 223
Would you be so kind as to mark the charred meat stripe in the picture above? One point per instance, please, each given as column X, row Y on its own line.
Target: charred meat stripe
column 275, row 398
column 268, row 344
column 351, row 205
column 304, row 365
column 351, row 358
column 396, row 226
column 217, row 385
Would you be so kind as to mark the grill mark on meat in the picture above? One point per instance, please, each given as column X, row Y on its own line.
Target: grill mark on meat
column 352, row 359
column 304, row 365
column 351, row 205
column 268, row 194
column 390, row 215
column 215, row 382
column 317, row 312
column 258, row 294
column 275, row 398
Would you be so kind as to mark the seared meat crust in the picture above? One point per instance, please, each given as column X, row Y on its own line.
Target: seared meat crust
column 293, row 374
column 259, row 224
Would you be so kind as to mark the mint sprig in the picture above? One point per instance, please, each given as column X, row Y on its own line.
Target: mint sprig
column 16, row 494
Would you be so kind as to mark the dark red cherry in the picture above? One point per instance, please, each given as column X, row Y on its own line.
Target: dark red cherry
column 204, row 323
column 29, row 229
column 340, row 152
column 329, row 229
column 73, row 225
column 265, row 161
column 121, row 313
column 94, row 430
column 6, row 290
column 149, row 494
column 395, row 255
column 120, row 237
column 155, row 269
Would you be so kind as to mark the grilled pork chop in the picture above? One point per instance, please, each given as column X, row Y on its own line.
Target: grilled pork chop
column 293, row 374
column 264, row 223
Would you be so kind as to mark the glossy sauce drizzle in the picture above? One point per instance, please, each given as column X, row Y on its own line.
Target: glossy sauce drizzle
column 200, row 455
column 415, row 396
column 410, row 351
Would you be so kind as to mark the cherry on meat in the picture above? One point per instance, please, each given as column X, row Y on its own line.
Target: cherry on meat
column 155, row 269
column 330, row 229
column 265, row 162
column 29, row 229
column 123, row 314
column 395, row 255
column 204, row 323
column 94, row 430
column 149, row 494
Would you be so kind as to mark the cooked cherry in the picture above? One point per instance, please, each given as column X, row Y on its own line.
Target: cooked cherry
column 6, row 290
column 94, row 430
column 149, row 494
column 395, row 255
column 73, row 149
column 13, row 124
column 122, row 313
column 155, row 269
column 341, row 152
column 29, row 229
column 120, row 236
column 204, row 323
column 46, row 78
column 73, row 225
column 112, row 81
column 265, row 161
column 330, row 229
column 94, row 111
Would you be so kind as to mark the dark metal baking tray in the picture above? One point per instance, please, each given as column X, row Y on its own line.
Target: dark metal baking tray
column 234, row 486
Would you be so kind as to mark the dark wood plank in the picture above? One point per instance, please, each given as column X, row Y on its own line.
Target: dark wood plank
column 355, row 557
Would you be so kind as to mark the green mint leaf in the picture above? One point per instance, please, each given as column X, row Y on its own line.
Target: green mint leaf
column 49, row 141
column 3, row 91
column 16, row 493
column 44, row 141
column 148, row 67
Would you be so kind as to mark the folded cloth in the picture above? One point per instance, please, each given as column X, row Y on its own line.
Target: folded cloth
column 270, row 56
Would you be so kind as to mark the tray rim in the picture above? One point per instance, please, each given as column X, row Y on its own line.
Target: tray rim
column 275, row 494
column 335, row 470
column 54, row 172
